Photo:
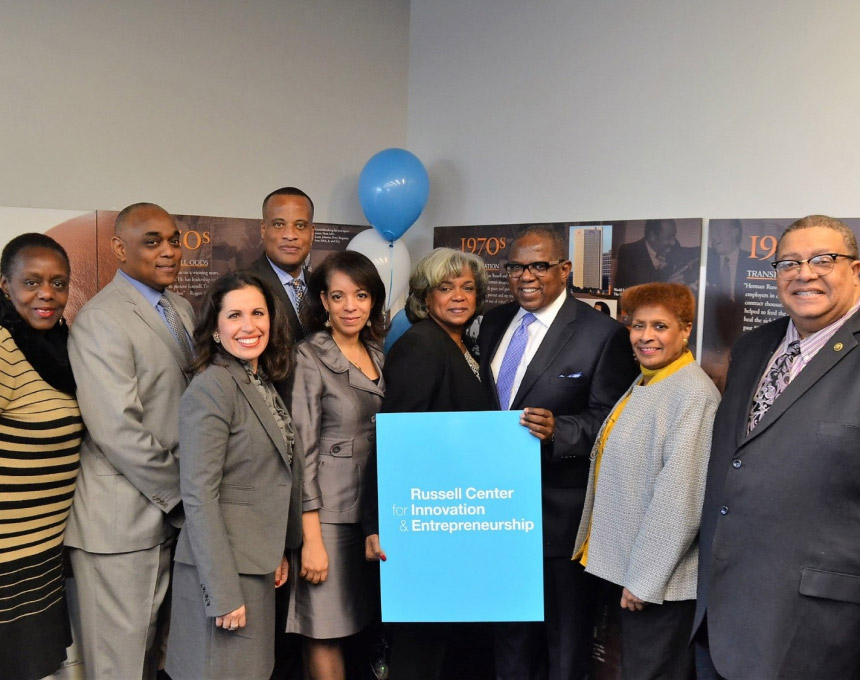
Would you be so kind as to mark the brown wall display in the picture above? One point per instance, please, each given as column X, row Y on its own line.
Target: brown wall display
column 211, row 246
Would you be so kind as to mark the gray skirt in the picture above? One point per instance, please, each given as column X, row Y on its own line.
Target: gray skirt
column 344, row 603
column 198, row 650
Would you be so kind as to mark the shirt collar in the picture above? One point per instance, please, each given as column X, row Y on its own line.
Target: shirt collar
column 151, row 295
column 286, row 277
column 815, row 341
column 546, row 315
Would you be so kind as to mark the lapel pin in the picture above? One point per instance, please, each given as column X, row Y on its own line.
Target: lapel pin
column 838, row 346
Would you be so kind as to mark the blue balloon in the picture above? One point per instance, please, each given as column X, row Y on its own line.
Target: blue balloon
column 399, row 325
column 393, row 190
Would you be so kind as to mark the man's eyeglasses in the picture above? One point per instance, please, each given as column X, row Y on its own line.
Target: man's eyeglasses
column 820, row 265
column 516, row 269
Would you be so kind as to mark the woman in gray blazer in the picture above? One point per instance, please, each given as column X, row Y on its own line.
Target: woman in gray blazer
column 237, row 447
column 640, row 525
column 337, row 389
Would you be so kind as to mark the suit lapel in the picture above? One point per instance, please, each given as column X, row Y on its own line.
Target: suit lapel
column 264, row 270
column 152, row 318
column 827, row 357
column 259, row 407
column 331, row 356
column 557, row 336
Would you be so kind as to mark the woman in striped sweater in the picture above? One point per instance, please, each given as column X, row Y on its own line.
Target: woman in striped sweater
column 40, row 435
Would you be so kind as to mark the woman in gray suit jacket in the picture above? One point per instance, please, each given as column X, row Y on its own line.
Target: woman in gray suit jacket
column 236, row 475
column 640, row 524
column 337, row 389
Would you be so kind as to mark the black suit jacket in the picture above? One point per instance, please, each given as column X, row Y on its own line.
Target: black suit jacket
column 424, row 372
column 779, row 562
column 581, row 368
column 262, row 268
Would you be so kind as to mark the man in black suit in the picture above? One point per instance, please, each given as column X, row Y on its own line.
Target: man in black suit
column 288, row 234
column 779, row 561
column 287, row 229
column 574, row 365
column 727, row 275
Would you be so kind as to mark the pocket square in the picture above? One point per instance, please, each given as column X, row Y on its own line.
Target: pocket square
column 572, row 375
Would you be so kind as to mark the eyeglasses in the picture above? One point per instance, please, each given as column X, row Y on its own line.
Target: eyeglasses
column 516, row 269
column 820, row 265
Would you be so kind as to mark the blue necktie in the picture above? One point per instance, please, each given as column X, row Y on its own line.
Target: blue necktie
column 511, row 360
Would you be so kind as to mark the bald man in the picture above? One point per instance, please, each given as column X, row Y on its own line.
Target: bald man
column 129, row 348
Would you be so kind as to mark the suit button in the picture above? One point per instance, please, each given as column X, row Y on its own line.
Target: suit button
column 724, row 510
column 335, row 449
column 373, row 418
column 736, row 463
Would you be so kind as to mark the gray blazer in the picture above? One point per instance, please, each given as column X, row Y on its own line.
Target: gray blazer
column 334, row 407
column 129, row 371
column 236, row 483
column 644, row 518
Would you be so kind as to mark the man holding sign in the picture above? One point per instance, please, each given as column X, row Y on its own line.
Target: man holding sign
column 565, row 365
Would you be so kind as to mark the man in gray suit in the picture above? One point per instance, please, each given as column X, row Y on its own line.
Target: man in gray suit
column 129, row 348
column 288, row 234
column 779, row 562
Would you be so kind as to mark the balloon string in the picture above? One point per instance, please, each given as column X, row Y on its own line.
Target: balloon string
column 390, row 274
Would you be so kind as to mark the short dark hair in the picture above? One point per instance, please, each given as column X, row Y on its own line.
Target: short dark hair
column 675, row 297
column 125, row 214
column 654, row 226
column 363, row 274
column 546, row 231
column 288, row 191
column 29, row 240
column 828, row 223
column 276, row 359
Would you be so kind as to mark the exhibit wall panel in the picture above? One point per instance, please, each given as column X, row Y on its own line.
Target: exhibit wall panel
column 579, row 110
column 200, row 106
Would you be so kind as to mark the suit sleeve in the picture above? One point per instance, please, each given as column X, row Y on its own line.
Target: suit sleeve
column 206, row 418
column 671, row 521
column 614, row 371
column 306, row 410
column 102, row 359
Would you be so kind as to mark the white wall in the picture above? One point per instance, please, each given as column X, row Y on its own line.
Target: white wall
column 556, row 110
column 202, row 106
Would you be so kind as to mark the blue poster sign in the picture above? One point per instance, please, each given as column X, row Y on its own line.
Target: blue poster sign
column 459, row 517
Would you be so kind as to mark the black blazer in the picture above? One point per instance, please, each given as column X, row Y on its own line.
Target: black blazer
column 581, row 368
column 424, row 371
column 779, row 553
column 262, row 268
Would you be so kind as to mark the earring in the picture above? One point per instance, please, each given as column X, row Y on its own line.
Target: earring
column 368, row 323
column 327, row 323
column 6, row 295
column 216, row 337
column 685, row 342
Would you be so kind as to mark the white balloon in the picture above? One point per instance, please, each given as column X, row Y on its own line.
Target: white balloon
column 391, row 260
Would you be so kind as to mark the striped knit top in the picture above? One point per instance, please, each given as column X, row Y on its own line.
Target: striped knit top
column 40, row 438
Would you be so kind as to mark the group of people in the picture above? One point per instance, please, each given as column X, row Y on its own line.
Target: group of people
column 230, row 461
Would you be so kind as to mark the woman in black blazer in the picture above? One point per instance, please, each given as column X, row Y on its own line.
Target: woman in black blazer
column 431, row 368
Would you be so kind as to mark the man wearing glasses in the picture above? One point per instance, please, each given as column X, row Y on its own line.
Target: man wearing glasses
column 779, row 561
column 565, row 365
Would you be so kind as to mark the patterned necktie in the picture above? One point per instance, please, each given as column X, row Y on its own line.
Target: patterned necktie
column 176, row 327
column 511, row 360
column 774, row 383
column 299, row 291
